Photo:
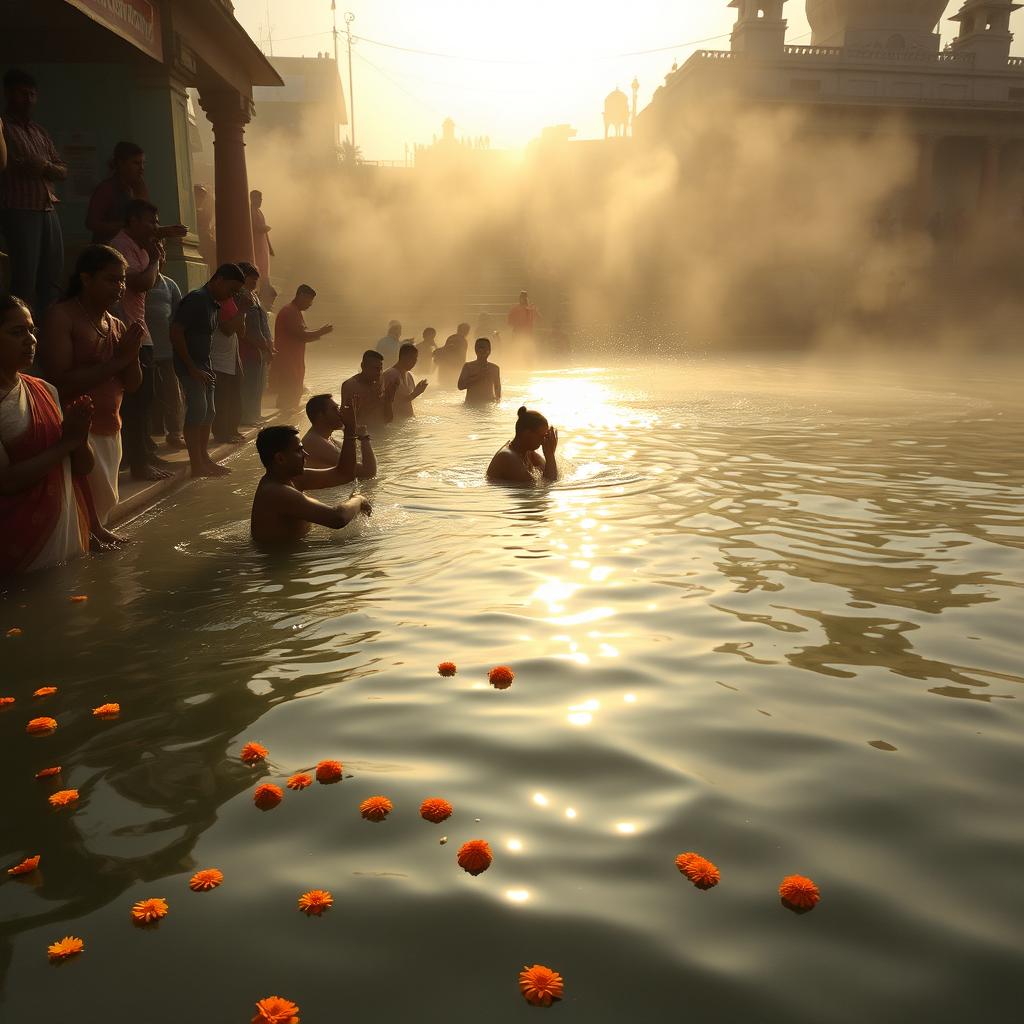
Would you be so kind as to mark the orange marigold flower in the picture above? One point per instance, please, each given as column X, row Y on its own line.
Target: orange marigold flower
column 698, row 870
column 299, row 781
column 315, row 902
column 267, row 796
column 376, row 808
column 63, row 797
column 79, row 598
column 27, row 865
column 6, row 701
column 447, row 668
column 14, row 631
column 68, row 946
column 799, row 892
column 203, row 881
column 435, row 809
column 252, row 753
column 328, row 771
column 540, row 985
column 501, row 677
column 276, row 1010
column 107, row 711
column 41, row 726
column 148, row 911
column 46, row 773
column 45, row 691
column 475, row 856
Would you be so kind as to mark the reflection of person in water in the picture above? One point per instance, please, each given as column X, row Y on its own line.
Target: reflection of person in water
column 518, row 462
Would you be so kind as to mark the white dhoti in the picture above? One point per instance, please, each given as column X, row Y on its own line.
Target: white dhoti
column 103, row 479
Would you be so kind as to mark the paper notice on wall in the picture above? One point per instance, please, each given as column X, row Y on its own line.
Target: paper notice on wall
column 84, row 173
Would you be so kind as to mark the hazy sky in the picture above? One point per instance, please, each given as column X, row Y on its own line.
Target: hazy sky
column 503, row 70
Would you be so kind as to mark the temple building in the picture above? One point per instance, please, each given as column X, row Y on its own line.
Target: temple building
column 119, row 71
column 878, row 65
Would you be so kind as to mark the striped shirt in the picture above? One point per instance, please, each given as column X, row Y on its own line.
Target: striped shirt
column 22, row 188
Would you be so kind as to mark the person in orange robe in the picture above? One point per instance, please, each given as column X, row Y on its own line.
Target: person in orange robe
column 288, row 371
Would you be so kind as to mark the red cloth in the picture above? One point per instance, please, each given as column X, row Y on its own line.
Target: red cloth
column 29, row 517
column 289, row 366
column 89, row 347
column 522, row 318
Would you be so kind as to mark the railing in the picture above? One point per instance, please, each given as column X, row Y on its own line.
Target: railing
column 813, row 51
column 1015, row 62
column 717, row 54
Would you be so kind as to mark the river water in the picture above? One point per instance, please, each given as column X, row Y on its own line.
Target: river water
column 769, row 616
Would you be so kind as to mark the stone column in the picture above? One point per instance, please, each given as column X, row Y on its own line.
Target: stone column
column 229, row 112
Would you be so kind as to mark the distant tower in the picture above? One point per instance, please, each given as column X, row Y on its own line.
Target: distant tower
column 636, row 90
column 985, row 32
column 760, row 28
column 448, row 130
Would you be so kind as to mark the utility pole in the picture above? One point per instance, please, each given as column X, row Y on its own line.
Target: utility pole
column 349, row 18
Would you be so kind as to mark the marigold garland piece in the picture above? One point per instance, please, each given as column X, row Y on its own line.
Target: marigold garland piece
column 149, row 911
column 276, row 1010
column 328, row 772
column 799, row 893
column 68, row 946
column 41, row 726
column 447, row 668
column 435, row 809
column 47, row 773
column 299, row 781
column 107, row 711
column 267, row 796
column 28, row 865
column 253, row 753
column 501, row 677
column 14, row 631
column 376, row 808
column 6, row 702
column 315, row 902
column 540, row 985
column 79, row 598
column 475, row 856
column 45, row 691
column 63, row 797
column 698, row 870
column 205, row 880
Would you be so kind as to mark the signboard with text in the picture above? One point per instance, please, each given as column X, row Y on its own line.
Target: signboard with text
column 135, row 21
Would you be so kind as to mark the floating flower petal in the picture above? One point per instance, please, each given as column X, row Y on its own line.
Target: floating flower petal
column 14, row 631
column 79, row 598
column 475, row 856
column 27, row 865
column 299, row 781
column 63, row 797
column 799, row 893
column 315, row 902
column 45, row 691
column 6, row 702
column 107, row 711
column 205, row 880
column 253, row 753
column 41, row 726
column 276, row 1010
column 376, row 808
column 435, row 809
column 47, row 773
column 267, row 796
column 329, row 771
column 148, row 911
column 540, row 985
column 698, row 870
column 501, row 677
column 447, row 668
column 68, row 946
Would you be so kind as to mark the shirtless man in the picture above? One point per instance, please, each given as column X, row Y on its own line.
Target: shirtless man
column 400, row 377
column 367, row 391
column 281, row 510
column 451, row 356
column 518, row 462
column 480, row 379
column 322, row 451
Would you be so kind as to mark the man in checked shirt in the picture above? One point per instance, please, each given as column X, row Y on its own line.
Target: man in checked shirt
column 28, row 214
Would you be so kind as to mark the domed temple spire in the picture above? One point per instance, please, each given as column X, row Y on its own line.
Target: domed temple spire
column 985, row 32
column 760, row 28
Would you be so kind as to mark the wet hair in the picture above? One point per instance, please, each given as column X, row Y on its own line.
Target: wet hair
column 316, row 406
column 480, row 342
column 430, row 330
column 304, row 289
column 136, row 208
column 530, row 419
column 125, row 151
column 16, row 78
column 254, row 193
column 408, row 349
column 229, row 272
column 9, row 302
column 372, row 353
column 463, row 325
column 271, row 441
column 91, row 260
column 248, row 269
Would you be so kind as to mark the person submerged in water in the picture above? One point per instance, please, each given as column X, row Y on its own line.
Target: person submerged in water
column 281, row 511
column 518, row 462
column 480, row 379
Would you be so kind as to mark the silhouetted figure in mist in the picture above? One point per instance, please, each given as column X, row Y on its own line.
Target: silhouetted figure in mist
column 523, row 316
column 451, row 357
column 481, row 379
column 427, row 347
column 518, row 462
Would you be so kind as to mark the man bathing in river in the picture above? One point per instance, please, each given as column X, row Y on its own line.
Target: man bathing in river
column 399, row 381
column 480, row 379
column 518, row 462
column 281, row 511
column 322, row 451
column 367, row 391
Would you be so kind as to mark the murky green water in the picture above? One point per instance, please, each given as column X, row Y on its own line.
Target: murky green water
column 743, row 594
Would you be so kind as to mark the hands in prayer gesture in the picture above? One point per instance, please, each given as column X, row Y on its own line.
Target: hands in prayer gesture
column 77, row 419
